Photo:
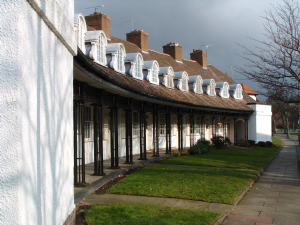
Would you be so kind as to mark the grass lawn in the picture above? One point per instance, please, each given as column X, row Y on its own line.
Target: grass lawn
column 146, row 214
column 244, row 158
column 206, row 184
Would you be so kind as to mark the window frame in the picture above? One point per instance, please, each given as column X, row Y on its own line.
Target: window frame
column 135, row 125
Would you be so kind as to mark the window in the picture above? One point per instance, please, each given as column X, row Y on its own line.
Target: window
column 225, row 90
column 101, row 49
column 212, row 87
column 81, row 30
column 155, row 73
column 135, row 124
column 199, row 86
column 198, row 125
column 184, row 83
column 238, row 92
column 120, row 60
column 169, row 81
column 162, row 125
column 88, row 123
column 139, row 67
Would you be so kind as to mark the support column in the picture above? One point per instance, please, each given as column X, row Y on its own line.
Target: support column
column 180, row 133
column 155, row 135
column 143, row 155
column 168, row 134
column 203, row 127
column 98, row 142
column 192, row 131
column 235, row 132
column 114, row 138
column 128, row 139
column 246, row 129
column 224, row 129
column 79, row 145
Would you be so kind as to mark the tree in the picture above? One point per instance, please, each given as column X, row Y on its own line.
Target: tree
column 275, row 63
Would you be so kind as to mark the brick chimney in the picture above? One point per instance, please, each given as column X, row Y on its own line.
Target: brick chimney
column 174, row 50
column 200, row 56
column 140, row 38
column 99, row 21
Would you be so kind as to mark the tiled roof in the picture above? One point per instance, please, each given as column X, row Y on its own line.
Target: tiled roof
column 160, row 92
column 248, row 90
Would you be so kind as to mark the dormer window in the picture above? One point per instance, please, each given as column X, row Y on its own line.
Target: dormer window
column 95, row 45
column 209, row 87
column 222, row 89
column 134, row 65
column 115, row 55
column 195, row 84
column 166, row 75
column 181, row 80
column 150, row 71
column 236, row 91
column 80, row 28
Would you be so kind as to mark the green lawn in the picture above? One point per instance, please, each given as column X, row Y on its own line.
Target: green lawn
column 207, row 184
column 229, row 161
column 245, row 158
column 129, row 214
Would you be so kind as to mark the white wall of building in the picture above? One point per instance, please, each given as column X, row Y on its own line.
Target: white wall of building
column 260, row 123
column 36, row 118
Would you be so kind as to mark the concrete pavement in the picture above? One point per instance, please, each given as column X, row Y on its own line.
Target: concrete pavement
column 275, row 197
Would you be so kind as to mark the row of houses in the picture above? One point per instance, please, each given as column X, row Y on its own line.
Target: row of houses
column 129, row 99
column 71, row 94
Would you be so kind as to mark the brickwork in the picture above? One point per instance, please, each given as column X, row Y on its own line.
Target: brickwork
column 99, row 21
column 200, row 56
column 139, row 38
column 174, row 50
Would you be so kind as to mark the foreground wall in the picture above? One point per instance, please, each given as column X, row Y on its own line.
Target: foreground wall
column 36, row 122
column 260, row 123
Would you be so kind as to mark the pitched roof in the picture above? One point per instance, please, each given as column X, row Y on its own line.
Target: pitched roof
column 248, row 90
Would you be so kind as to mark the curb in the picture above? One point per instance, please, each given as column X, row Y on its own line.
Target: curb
column 220, row 220
column 100, row 182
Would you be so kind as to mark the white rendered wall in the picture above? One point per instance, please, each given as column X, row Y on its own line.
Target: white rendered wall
column 36, row 118
column 260, row 123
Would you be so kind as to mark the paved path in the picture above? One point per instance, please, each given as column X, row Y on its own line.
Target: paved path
column 275, row 197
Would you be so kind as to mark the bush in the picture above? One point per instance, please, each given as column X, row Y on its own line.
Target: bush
column 218, row 141
column 269, row 144
column 177, row 153
column 251, row 142
column 227, row 141
column 199, row 149
column 244, row 143
column 261, row 144
column 204, row 142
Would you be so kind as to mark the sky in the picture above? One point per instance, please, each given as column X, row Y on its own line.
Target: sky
column 222, row 24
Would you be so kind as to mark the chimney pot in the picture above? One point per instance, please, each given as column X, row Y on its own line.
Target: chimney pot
column 174, row 50
column 200, row 56
column 99, row 21
column 139, row 38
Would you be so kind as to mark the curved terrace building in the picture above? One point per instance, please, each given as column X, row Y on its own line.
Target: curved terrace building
column 134, row 100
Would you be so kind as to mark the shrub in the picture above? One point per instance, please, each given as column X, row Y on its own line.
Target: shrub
column 177, row 153
column 227, row 141
column 218, row 141
column 269, row 144
column 244, row 143
column 261, row 144
column 251, row 142
column 199, row 149
column 204, row 142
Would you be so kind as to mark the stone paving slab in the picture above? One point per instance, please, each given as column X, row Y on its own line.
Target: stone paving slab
column 275, row 197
